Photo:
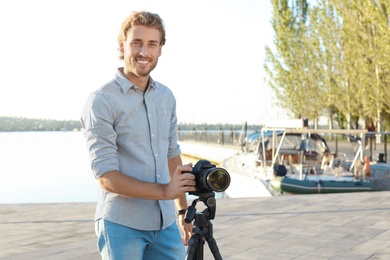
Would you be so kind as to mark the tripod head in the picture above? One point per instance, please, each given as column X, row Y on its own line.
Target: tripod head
column 208, row 198
column 203, row 228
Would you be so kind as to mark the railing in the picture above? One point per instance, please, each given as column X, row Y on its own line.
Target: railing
column 372, row 144
column 375, row 147
column 377, row 141
column 219, row 137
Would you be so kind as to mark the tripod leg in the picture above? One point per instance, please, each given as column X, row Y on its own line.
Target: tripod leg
column 192, row 247
column 213, row 247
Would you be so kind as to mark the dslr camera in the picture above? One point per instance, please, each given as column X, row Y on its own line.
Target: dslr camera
column 209, row 178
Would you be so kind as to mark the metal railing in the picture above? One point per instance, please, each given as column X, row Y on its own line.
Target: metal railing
column 219, row 137
column 375, row 143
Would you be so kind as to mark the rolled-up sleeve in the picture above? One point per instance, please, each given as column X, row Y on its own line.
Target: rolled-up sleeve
column 174, row 148
column 97, row 119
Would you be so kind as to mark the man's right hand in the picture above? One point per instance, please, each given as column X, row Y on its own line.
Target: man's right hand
column 182, row 181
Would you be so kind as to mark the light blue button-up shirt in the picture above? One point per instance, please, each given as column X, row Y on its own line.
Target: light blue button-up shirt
column 134, row 133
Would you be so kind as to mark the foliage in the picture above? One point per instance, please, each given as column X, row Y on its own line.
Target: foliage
column 8, row 124
column 331, row 58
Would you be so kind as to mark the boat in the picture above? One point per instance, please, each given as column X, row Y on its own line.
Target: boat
column 296, row 186
column 297, row 160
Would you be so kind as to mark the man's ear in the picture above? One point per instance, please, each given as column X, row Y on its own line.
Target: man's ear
column 120, row 48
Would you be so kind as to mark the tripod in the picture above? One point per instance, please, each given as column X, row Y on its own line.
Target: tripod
column 203, row 228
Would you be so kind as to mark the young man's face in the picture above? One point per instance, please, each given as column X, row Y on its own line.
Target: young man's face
column 141, row 50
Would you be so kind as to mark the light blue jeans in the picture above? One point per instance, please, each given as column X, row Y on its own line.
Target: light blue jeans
column 117, row 242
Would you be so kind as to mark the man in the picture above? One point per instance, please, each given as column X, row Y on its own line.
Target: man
column 130, row 126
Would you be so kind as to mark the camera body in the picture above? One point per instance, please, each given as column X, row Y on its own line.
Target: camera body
column 209, row 178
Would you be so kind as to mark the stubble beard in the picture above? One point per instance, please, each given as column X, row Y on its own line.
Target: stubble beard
column 136, row 69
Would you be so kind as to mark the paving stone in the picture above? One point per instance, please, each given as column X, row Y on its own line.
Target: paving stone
column 247, row 228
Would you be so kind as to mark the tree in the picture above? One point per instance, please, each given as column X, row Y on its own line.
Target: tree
column 286, row 67
column 331, row 58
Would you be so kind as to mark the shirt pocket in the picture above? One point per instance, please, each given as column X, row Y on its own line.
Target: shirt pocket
column 164, row 122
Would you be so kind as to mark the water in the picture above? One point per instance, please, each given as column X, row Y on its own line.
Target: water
column 47, row 167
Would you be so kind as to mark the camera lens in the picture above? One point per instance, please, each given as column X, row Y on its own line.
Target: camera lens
column 209, row 178
column 218, row 179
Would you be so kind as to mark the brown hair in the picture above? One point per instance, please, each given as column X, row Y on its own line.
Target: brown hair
column 142, row 18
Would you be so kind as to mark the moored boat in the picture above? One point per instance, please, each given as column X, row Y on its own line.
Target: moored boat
column 298, row 160
column 296, row 186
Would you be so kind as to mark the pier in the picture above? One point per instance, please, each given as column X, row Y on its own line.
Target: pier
column 324, row 226
column 333, row 226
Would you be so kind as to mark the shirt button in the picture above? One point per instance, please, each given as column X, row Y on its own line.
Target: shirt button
column 156, row 155
column 152, row 135
column 149, row 115
column 158, row 176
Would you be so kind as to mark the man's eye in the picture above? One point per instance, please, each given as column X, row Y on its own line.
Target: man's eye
column 135, row 44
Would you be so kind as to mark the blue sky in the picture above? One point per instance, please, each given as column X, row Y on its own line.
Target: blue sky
column 54, row 53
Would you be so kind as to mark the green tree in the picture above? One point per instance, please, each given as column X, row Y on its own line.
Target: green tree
column 331, row 58
column 285, row 66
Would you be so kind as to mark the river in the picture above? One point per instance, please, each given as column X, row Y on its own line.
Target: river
column 46, row 167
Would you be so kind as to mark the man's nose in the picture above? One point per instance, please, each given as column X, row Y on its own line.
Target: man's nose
column 143, row 50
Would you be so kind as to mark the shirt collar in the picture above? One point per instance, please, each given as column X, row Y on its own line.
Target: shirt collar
column 126, row 84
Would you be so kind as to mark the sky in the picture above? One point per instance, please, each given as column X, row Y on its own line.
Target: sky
column 53, row 54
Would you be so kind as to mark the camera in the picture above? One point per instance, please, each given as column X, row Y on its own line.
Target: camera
column 209, row 178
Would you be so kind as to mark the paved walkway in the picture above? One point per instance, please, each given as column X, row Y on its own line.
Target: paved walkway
column 327, row 226
column 333, row 226
column 216, row 154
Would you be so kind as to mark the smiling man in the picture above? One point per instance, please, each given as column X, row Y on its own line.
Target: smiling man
column 130, row 127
